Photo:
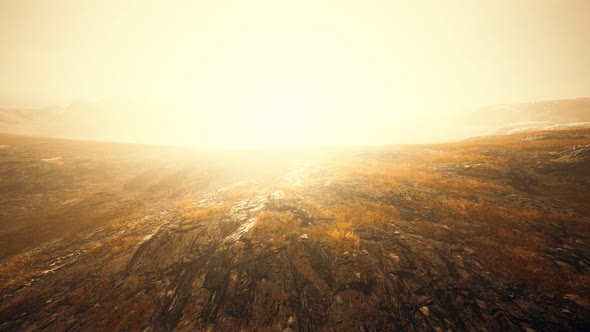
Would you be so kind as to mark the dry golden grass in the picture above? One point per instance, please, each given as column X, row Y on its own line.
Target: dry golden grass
column 429, row 229
column 510, row 216
column 511, row 237
column 364, row 214
column 314, row 209
column 184, row 205
column 236, row 195
column 274, row 227
column 17, row 270
column 529, row 267
column 469, row 210
column 462, row 157
column 517, row 263
column 338, row 234
column 372, row 178
column 339, row 228
column 467, row 186
column 190, row 212
column 487, row 212
column 571, row 195
column 203, row 213
column 520, row 142
column 239, row 191
column 508, row 245
column 344, row 237
column 344, row 221
column 117, row 244
column 535, row 242
column 450, row 184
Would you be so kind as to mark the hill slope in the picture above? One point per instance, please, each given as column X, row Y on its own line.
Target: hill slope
column 490, row 233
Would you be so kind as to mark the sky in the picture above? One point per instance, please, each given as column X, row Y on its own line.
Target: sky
column 287, row 72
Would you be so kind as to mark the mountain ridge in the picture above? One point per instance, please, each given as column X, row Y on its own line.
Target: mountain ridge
column 137, row 122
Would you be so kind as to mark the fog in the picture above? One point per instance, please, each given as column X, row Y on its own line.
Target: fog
column 243, row 74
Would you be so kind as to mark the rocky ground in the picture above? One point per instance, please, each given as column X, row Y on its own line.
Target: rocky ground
column 486, row 234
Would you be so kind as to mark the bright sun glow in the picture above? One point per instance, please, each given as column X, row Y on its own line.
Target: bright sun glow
column 260, row 73
column 292, row 85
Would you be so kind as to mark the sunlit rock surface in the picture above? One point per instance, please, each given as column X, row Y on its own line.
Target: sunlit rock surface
column 488, row 234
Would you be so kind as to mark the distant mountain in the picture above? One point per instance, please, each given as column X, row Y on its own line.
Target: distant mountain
column 163, row 124
column 514, row 118
column 103, row 121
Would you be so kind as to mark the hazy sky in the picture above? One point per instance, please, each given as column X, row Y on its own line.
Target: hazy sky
column 358, row 65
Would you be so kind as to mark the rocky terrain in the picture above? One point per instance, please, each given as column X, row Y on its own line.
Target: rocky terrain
column 484, row 234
